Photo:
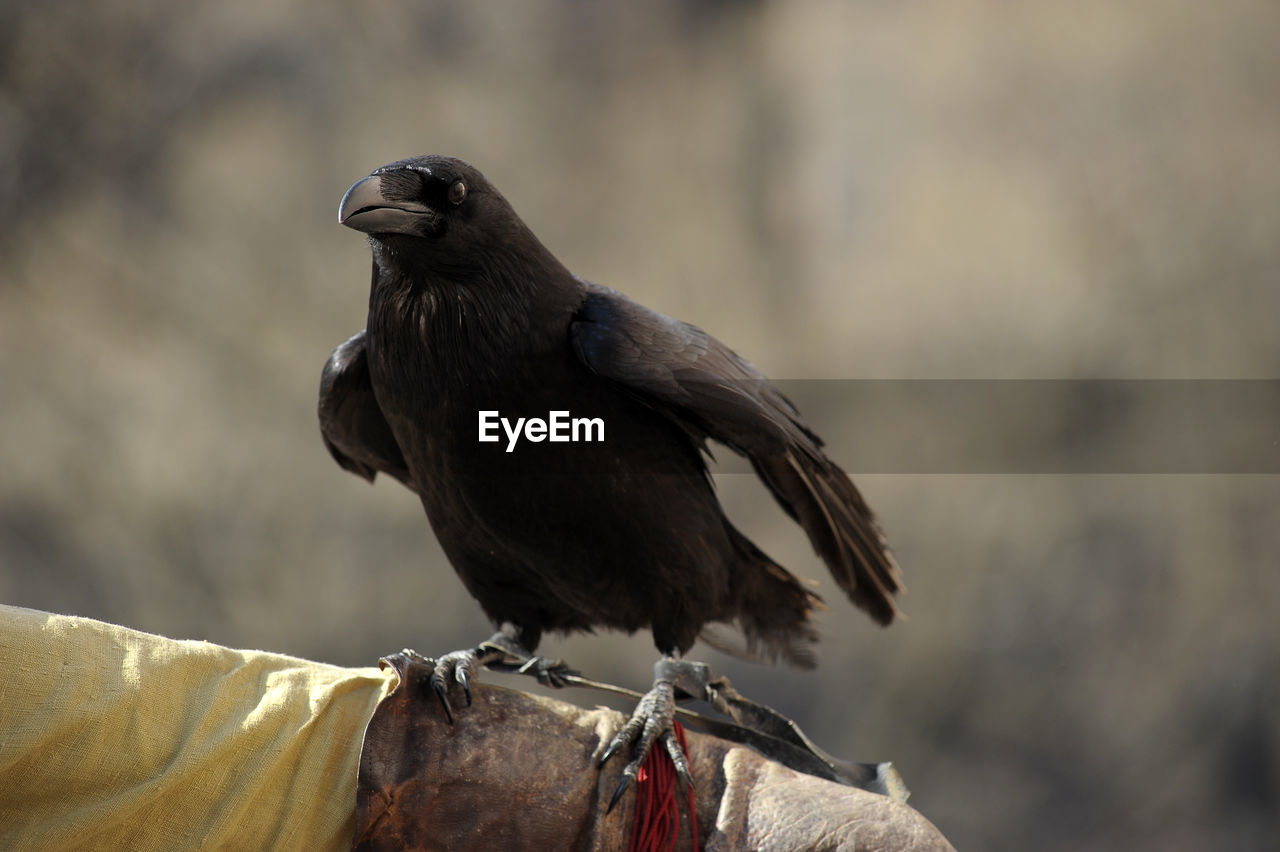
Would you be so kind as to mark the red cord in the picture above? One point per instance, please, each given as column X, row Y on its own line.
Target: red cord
column 657, row 823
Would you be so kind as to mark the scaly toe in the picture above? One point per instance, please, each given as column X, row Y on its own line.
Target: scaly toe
column 456, row 667
column 548, row 672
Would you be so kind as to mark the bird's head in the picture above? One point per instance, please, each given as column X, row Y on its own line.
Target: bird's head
column 432, row 209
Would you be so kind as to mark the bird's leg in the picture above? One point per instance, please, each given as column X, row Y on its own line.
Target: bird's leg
column 653, row 720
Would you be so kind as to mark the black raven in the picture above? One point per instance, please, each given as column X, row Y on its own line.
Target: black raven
column 474, row 326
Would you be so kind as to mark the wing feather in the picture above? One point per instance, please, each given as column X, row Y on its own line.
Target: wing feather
column 698, row 381
column 351, row 423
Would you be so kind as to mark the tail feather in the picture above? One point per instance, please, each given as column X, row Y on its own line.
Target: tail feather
column 823, row 500
column 772, row 610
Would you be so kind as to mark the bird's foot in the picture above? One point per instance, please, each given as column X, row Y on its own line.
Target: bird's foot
column 501, row 651
column 512, row 657
column 653, row 721
column 456, row 667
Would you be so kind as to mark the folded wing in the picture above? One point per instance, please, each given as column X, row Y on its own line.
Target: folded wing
column 696, row 380
column 351, row 422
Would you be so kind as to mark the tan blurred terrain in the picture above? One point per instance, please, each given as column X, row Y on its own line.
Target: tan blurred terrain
column 838, row 190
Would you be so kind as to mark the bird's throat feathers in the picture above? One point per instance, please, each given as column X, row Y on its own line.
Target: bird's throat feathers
column 473, row 319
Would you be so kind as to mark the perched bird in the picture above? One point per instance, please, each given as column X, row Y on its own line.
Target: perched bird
column 471, row 317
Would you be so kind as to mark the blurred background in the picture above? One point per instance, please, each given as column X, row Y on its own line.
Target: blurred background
column 839, row 190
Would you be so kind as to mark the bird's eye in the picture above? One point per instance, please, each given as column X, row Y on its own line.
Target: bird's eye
column 457, row 192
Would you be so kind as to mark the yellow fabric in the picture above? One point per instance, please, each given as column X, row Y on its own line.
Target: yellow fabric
column 115, row 739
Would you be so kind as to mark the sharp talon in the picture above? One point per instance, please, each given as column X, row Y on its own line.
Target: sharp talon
column 617, row 794
column 456, row 667
column 686, row 780
column 624, row 738
column 443, row 694
column 461, row 677
column 678, row 758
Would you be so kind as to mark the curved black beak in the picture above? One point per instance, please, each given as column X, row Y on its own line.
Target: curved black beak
column 365, row 208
